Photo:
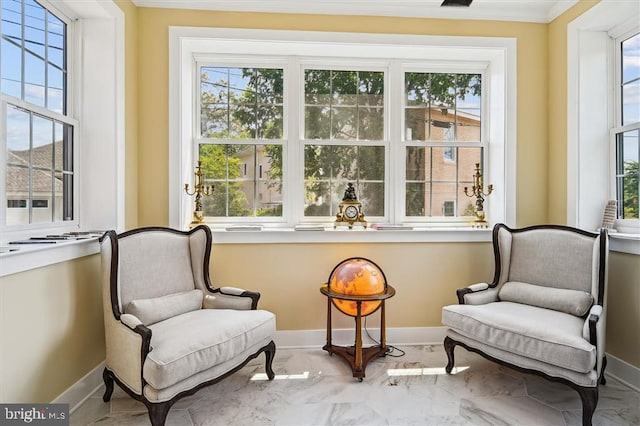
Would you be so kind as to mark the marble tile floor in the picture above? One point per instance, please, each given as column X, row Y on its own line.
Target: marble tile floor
column 314, row 388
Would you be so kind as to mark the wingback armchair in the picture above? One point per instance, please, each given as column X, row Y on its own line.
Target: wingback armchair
column 544, row 312
column 168, row 331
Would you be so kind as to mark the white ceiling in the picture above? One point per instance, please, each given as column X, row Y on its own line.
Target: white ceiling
column 503, row 10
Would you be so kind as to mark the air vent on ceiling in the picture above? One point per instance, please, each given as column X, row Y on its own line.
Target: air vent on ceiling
column 456, row 3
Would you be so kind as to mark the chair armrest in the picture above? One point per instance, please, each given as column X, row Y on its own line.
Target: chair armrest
column 128, row 344
column 477, row 294
column 231, row 298
column 594, row 331
column 130, row 321
column 590, row 329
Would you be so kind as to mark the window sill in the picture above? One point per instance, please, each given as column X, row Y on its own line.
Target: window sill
column 356, row 235
column 20, row 258
column 624, row 243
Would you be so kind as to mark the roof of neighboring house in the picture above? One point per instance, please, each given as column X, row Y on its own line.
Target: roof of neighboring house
column 18, row 177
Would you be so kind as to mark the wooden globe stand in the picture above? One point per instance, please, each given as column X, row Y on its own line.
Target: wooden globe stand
column 357, row 356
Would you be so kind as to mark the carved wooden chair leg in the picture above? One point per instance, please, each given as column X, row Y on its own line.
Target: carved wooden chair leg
column 270, row 353
column 601, row 379
column 589, row 397
column 449, row 345
column 158, row 412
column 108, row 384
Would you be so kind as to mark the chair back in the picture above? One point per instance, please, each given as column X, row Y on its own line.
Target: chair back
column 552, row 256
column 152, row 262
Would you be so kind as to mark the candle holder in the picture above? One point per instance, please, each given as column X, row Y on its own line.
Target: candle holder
column 478, row 191
column 199, row 190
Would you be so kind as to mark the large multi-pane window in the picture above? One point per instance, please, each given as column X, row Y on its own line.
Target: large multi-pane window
column 340, row 120
column 39, row 131
column 627, row 130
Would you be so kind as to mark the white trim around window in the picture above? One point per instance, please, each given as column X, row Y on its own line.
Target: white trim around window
column 188, row 45
column 591, row 113
column 98, row 99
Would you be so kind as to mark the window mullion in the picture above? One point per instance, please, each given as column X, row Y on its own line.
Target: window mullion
column 396, row 147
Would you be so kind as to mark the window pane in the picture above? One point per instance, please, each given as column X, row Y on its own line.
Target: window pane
column 241, row 103
column 343, row 123
column 631, row 59
column 329, row 168
column 247, row 180
column 631, row 103
column 416, row 120
column 214, row 120
column 418, row 201
column 418, row 163
column 436, row 176
column 344, row 105
column 55, row 86
column 34, row 80
column 18, row 136
column 370, row 123
column 317, row 122
column 627, row 182
column 42, row 153
column 442, row 107
column 17, row 189
column 442, row 124
column 371, row 195
column 11, row 68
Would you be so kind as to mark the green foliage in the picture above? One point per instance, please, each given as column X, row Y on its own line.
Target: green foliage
column 630, row 195
column 228, row 198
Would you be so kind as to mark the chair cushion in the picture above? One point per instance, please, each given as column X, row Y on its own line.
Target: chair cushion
column 195, row 341
column 543, row 334
column 574, row 302
column 151, row 311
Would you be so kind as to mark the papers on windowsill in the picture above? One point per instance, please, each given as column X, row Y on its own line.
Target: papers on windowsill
column 244, row 228
column 309, row 227
column 62, row 238
column 390, row 227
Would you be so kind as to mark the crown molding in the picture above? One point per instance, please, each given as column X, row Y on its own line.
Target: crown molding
column 521, row 11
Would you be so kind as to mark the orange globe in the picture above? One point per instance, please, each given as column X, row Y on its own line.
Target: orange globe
column 358, row 277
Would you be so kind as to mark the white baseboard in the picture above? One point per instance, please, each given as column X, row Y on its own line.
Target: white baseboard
column 623, row 371
column 82, row 389
column 395, row 336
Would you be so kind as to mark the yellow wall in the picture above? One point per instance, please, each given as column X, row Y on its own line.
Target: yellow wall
column 557, row 111
column 623, row 312
column 131, row 112
column 52, row 329
column 425, row 277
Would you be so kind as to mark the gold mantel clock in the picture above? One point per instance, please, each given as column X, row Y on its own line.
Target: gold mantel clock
column 350, row 210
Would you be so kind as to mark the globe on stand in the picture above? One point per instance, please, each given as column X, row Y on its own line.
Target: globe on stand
column 357, row 276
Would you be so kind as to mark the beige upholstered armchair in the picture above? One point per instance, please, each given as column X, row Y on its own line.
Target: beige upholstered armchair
column 168, row 331
column 544, row 312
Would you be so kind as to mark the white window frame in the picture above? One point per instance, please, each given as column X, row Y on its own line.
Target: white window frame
column 590, row 115
column 99, row 106
column 68, row 118
column 618, row 35
column 187, row 44
column 460, row 67
column 244, row 62
column 335, row 64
